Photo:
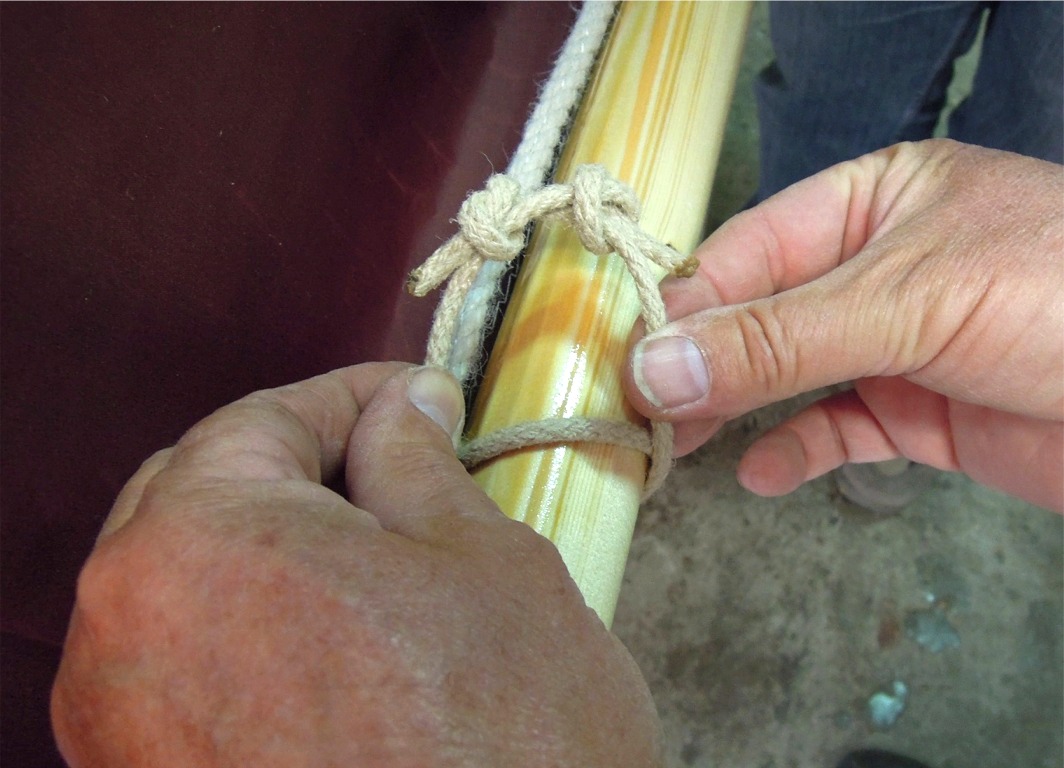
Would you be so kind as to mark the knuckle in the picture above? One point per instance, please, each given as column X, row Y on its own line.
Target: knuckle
column 767, row 354
column 106, row 590
column 95, row 583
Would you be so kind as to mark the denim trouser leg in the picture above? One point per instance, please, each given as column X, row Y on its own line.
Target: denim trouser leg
column 1017, row 99
column 850, row 78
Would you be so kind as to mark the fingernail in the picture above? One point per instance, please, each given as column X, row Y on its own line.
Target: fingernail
column 670, row 371
column 436, row 394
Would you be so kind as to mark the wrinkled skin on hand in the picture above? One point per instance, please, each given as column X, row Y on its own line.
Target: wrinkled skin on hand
column 931, row 275
column 237, row 612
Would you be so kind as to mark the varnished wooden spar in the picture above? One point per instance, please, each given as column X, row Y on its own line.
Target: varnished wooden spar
column 654, row 116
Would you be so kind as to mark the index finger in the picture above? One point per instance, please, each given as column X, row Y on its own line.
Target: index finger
column 797, row 235
column 295, row 432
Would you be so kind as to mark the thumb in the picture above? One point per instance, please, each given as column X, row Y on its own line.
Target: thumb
column 401, row 462
column 726, row 361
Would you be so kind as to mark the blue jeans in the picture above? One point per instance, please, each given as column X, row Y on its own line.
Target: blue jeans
column 852, row 77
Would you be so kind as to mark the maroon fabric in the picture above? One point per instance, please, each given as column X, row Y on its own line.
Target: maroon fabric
column 202, row 200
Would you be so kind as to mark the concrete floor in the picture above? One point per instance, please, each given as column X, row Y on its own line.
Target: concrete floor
column 765, row 626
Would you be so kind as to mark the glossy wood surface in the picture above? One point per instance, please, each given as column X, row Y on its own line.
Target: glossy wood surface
column 654, row 116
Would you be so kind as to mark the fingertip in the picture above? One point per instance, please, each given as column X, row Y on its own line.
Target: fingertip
column 402, row 466
column 775, row 465
column 437, row 394
column 689, row 436
column 686, row 295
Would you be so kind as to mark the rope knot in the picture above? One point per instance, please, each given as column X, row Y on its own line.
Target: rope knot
column 491, row 220
column 598, row 201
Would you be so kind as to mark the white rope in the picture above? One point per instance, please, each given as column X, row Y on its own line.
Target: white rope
column 529, row 166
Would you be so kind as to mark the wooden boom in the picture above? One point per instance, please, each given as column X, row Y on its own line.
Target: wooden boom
column 654, row 115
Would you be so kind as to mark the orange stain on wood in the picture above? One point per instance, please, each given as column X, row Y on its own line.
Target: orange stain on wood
column 654, row 116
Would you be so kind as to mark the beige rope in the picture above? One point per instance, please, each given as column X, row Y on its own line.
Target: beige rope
column 554, row 431
column 604, row 213
column 576, row 429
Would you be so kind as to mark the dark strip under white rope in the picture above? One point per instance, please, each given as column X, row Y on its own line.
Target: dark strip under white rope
column 530, row 166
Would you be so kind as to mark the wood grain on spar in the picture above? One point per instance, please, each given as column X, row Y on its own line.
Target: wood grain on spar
column 654, row 116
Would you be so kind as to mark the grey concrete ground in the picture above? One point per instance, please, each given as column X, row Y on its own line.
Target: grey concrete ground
column 766, row 626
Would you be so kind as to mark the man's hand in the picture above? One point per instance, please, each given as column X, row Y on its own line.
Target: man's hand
column 237, row 612
column 932, row 274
